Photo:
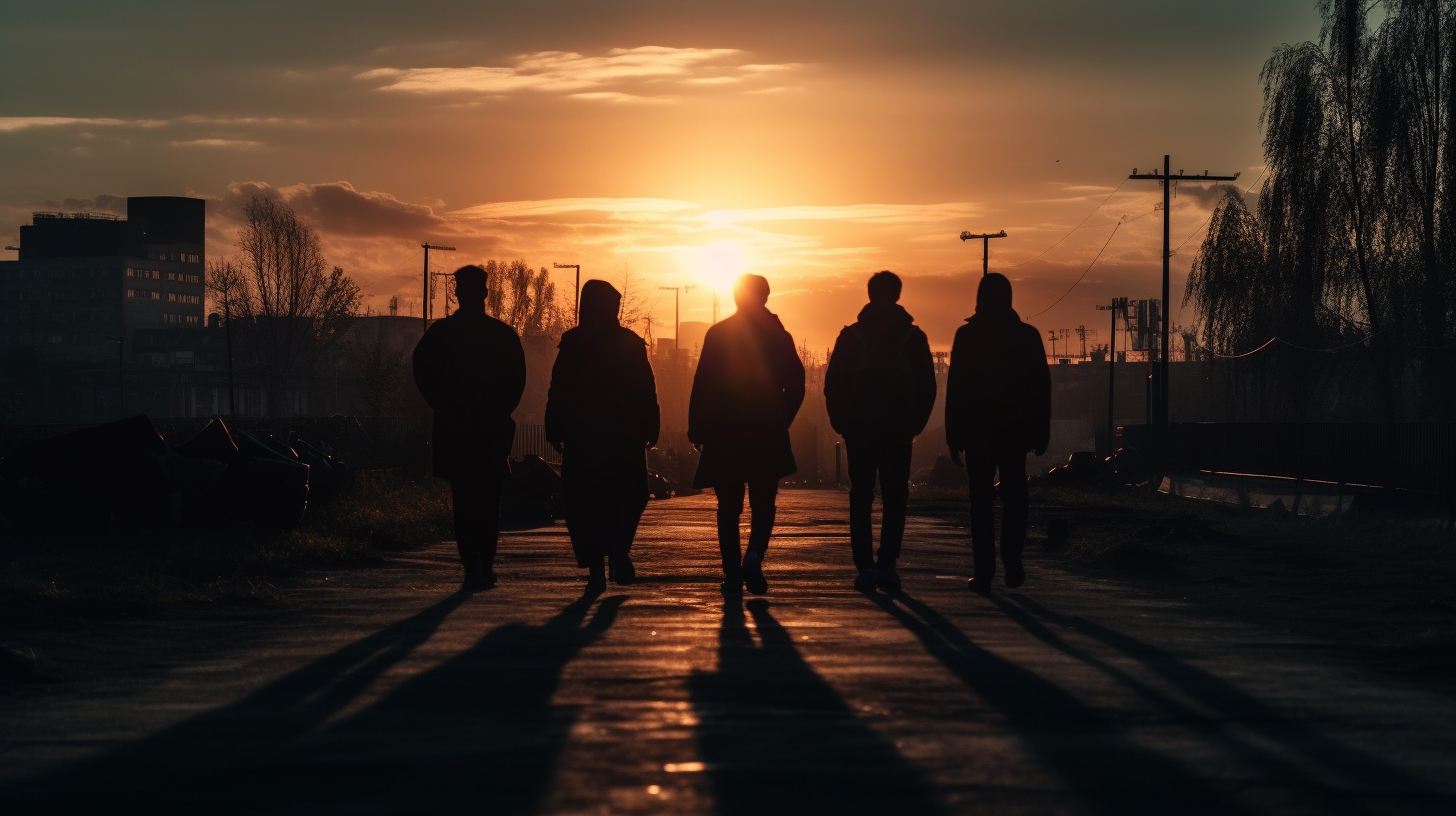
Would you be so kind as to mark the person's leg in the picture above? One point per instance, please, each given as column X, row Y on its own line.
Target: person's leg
column 1015, row 501
column 629, row 502
column 981, row 471
column 475, row 502
column 730, row 509
column 469, row 526
column 894, row 463
column 860, row 452
column 762, row 495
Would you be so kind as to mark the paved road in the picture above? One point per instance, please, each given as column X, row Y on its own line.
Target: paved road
column 383, row 692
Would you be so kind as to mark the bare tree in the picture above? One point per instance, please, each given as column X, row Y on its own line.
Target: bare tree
column 276, row 293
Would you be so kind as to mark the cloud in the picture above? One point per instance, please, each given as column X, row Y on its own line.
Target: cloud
column 567, row 72
column 879, row 213
column 11, row 124
column 231, row 144
column 556, row 206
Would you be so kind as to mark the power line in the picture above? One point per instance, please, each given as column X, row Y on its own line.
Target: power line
column 1084, row 273
column 379, row 278
column 1073, row 229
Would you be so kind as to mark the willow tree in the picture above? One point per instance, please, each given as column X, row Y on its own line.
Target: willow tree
column 1353, row 238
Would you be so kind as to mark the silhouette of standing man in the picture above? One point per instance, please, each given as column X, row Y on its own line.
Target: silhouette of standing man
column 998, row 407
column 471, row 369
column 602, row 414
column 748, row 387
column 879, row 390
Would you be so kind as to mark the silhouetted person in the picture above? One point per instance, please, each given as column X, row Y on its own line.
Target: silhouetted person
column 997, row 407
column 879, row 390
column 601, row 413
column 471, row 370
column 748, row 387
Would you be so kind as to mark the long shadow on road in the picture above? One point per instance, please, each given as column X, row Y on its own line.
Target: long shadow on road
column 1336, row 775
column 776, row 738
column 476, row 730
column 1100, row 766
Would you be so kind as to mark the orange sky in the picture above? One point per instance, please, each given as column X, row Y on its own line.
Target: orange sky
column 813, row 143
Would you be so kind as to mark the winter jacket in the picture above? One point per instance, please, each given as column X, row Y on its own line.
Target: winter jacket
column 879, row 325
column 471, row 370
column 998, row 391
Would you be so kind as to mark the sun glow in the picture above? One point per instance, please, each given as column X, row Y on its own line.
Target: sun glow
column 714, row 267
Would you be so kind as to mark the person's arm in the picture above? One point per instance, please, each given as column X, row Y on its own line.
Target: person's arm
column 793, row 379
column 955, row 398
column 645, row 387
column 922, row 367
column 1040, row 396
column 426, row 364
column 837, row 380
column 559, row 401
column 701, row 409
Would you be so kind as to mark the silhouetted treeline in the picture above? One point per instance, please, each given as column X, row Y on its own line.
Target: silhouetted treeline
column 1353, row 243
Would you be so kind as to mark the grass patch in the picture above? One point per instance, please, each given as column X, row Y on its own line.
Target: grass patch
column 380, row 512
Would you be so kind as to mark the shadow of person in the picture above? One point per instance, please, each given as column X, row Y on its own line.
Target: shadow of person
column 274, row 715
column 1103, row 767
column 478, row 728
column 776, row 738
column 1267, row 740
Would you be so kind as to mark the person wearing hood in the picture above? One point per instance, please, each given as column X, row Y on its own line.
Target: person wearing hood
column 998, row 407
column 471, row 370
column 748, row 387
column 602, row 415
column 879, row 390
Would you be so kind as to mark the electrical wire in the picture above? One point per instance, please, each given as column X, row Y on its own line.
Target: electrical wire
column 1084, row 273
column 1276, row 339
column 1073, row 229
column 379, row 278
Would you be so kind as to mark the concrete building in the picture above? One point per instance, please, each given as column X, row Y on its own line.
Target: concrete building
column 83, row 287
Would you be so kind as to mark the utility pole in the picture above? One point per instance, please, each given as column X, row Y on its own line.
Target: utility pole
column 985, row 247
column 1052, row 336
column 577, row 267
column 425, row 303
column 677, row 315
column 1082, row 332
column 1160, row 419
column 1118, row 304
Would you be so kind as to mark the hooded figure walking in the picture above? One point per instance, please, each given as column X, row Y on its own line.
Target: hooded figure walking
column 602, row 414
column 998, row 407
column 748, row 387
column 879, row 390
column 471, row 370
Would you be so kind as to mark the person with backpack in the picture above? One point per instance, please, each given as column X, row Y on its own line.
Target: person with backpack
column 998, row 406
column 879, row 390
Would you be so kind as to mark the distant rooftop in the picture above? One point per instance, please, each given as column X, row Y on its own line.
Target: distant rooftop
column 88, row 215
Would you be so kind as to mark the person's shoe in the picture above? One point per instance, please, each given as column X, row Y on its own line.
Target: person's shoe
column 975, row 585
column 621, row 570
column 1015, row 573
column 865, row 581
column 477, row 582
column 596, row 582
column 887, row 578
column 753, row 579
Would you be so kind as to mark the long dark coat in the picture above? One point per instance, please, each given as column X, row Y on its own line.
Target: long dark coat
column 471, row 369
column 749, row 386
column 999, row 388
column 602, row 411
column 880, row 323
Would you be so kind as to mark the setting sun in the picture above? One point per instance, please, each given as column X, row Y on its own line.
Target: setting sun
column 714, row 267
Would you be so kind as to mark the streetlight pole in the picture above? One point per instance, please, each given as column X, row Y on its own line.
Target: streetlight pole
column 425, row 301
column 577, row 305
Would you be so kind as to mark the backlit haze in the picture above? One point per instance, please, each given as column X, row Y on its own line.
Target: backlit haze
column 812, row 143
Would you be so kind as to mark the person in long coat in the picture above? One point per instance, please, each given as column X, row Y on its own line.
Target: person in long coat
column 748, row 387
column 602, row 414
column 998, row 407
column 879, row 390
column 471, row 370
